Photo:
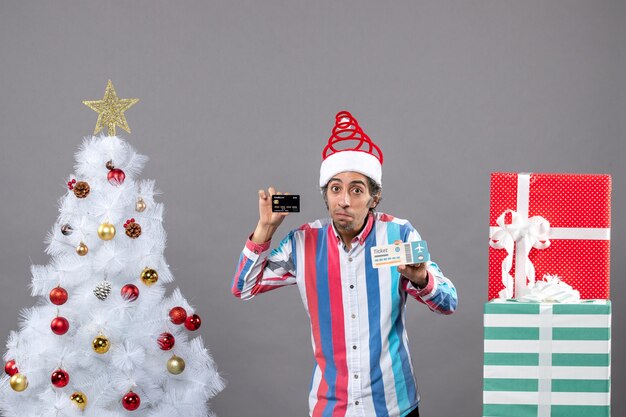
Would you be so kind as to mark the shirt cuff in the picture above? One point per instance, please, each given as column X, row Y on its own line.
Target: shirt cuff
column 428, row 289
column 257, row 248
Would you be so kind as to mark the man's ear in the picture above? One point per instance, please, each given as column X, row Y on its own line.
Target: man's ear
column 375, row 201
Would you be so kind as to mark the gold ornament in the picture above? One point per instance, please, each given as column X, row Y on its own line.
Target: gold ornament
column 106, row 231
column 149, row 276
column 176, row 365
column 111, row 110
column 140, row 205
column 19, row 382
column 80, row 399
column 82, row 249
column 101, row 344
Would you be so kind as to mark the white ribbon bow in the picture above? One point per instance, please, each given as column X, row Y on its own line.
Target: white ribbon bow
column 527, row 233
column 551, row 289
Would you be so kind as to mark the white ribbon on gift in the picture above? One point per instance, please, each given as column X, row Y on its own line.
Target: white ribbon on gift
column 544, row 378
column 528, row 233
column 550, row 290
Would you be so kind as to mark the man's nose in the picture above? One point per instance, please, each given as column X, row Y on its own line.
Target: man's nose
column 345, row 200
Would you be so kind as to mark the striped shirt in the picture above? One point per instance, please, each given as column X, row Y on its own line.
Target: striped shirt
column 363, row 365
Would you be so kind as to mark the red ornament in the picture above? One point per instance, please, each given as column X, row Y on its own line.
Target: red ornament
column 130, row 292
column 60, row 378
column 70, row 184
column 60, row 325
column 131, row 401
column 129, row 221
column 58, row 296
column 193, row 322
column 178, row 315
column 116, row 176
column 166, row 341
column 11, row 368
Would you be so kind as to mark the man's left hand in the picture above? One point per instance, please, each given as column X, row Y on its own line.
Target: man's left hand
column 416, row 273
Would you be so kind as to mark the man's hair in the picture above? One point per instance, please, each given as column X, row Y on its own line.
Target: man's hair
column 372, row 186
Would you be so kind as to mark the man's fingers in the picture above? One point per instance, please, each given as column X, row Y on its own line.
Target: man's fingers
column 264, row 195
column 415, row 266
column 411, row 267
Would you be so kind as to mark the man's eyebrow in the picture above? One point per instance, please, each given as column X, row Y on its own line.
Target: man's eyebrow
column 355, row 182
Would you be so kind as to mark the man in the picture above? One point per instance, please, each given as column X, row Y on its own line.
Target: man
column 360, row 344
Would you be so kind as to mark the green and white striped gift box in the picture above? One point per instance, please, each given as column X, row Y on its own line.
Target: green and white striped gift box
column 547, row 359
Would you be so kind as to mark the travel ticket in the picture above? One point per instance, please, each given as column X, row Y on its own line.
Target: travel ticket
column 400, row 254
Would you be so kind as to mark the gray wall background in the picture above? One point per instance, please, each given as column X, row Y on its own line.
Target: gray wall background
column 239, row 95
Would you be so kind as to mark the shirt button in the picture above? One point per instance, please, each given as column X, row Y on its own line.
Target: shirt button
column 356, row 376
column 351, row 286
column 256, row 251
column 353, row 316
column 350, row 259
column 354, row 347
column 356, row 403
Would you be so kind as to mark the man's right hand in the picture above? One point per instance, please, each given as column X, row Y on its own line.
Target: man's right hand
column 268, row 220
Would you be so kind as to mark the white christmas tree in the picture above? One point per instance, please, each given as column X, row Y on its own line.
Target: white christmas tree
column 104, row 340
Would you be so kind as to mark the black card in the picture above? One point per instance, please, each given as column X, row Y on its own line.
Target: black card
column 286, row 203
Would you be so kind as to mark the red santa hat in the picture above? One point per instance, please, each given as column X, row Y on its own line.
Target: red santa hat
column 350, row 149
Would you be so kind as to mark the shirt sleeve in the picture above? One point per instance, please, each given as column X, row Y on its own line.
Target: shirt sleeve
column 439, row 294
column 260, row 270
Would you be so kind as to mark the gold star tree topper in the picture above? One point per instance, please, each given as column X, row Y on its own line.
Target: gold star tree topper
column 111, row 110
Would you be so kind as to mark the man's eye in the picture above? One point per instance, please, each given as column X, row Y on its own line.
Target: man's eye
column 334, row 188
column 357, row 191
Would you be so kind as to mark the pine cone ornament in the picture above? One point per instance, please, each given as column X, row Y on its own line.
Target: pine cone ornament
column 133, row 230
column 103, row 290
column 81, row 189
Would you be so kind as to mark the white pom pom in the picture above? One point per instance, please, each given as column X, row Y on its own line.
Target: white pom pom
column 128, row 356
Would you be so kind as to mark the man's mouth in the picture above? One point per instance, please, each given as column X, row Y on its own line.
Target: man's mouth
column 343, row 214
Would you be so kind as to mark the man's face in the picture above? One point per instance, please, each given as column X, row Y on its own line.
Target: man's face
column 349, row 201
